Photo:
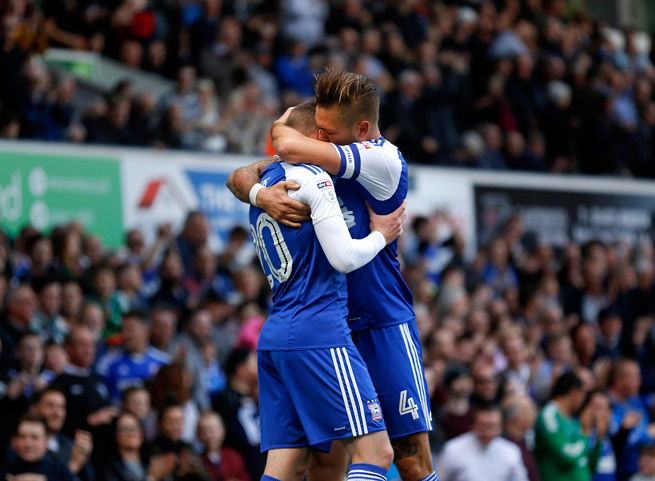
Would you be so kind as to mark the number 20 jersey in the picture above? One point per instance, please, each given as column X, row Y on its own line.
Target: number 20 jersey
column 309, row 295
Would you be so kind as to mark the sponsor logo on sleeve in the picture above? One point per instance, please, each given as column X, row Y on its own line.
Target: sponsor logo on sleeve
column 327, row 188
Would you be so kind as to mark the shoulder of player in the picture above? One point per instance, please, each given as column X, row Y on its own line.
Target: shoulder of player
column 304, row 173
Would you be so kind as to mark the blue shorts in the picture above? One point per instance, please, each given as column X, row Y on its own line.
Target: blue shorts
column 393, row 357
column 313, row 397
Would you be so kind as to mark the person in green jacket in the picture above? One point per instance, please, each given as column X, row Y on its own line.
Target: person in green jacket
column 563, row 448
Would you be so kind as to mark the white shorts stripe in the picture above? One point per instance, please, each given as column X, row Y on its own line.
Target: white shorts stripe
column 343, row 392
column 354, row 381
column 421, row 384
column 412, row 361
column 350, row 393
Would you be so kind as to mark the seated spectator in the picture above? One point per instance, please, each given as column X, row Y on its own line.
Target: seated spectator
column 114, row 304
column 559, row 357
column 20, row 306
column 457, row 415
column 516, row 376
column 30, row 443
column 608, row 341
column 646, row 465
column 482, row 453
column 125, row 463
column 221, row 462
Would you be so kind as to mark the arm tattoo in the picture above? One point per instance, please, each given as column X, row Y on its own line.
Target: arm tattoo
column 241, row 180
column 403, row 448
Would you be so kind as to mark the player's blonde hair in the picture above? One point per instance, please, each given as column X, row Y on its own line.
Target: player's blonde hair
column 302, row 118
column 355, row 96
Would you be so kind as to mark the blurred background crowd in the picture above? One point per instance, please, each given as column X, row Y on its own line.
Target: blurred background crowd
column 141, row 360
column 540, row 362
column 505, row 84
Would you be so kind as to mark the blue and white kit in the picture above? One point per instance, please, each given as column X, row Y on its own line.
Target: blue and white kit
column 380, row 311
column 313, row 384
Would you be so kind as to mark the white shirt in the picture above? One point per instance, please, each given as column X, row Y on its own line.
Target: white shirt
column 464, row 458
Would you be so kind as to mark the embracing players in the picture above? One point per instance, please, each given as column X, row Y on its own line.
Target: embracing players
column 380, row 314
column 314, row 387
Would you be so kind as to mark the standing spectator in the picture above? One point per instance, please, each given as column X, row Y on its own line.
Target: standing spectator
column 562, row 445
column 194, row 235
column 87, row 397
column 221, row 462
column 482, row 453
column 48, row 321
column 599, row 403
column 237, row 405
column 625, row 382
column 187, row 97
column 516, row 376
column 163, row 326
column 20, row 306
column 136, row 362
column 136, row 400
column 30, row 442
column 50, row 404
column 519, row 416
column 457, row 411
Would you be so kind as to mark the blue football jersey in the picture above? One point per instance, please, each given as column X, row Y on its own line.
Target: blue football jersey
column 121, row 370
column 374, row 171
column 309, row 296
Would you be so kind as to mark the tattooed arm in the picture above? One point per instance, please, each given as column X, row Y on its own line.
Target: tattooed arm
column 274, row 200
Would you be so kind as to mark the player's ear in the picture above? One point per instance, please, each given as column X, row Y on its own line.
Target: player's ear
column 361, row 129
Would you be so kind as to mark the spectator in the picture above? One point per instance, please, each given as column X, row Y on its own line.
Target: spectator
column 125, row 463
column 20, row 306
column 629, row 417
column 562, row 445
column 87, row 397
column 599, row 403
column 482, row 453
column 30, row 442
column 50, row 405
column 237, row 406
column 519, row 416
column 457, row 415
column 221, row 462
column 646, row 465
column 136, row 401
column 135, row 362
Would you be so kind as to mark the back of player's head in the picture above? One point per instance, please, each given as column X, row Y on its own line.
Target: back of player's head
column 354, row 95
column 565, row 384
column 303, row 118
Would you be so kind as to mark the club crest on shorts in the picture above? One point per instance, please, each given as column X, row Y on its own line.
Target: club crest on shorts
column 376, row 412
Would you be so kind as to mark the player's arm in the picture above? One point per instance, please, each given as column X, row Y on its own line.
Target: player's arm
column 342, row 251
column 294, row 147
column 244, row 184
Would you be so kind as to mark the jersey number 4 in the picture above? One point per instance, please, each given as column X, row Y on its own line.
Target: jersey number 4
column 407, row 405
column 283, row 271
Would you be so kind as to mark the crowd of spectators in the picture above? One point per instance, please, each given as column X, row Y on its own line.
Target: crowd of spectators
column 497, row 84
column 141, row 360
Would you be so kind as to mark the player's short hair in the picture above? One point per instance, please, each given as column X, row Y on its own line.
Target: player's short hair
column 303, row 118
column 355, row 95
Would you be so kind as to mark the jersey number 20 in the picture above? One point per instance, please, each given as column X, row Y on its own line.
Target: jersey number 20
column 283, row 272
column 407, row 405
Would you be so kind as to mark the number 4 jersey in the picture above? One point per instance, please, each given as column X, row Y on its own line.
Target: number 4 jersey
column 309, row 295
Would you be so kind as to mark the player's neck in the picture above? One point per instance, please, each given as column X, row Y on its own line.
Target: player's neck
column 373, row 133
